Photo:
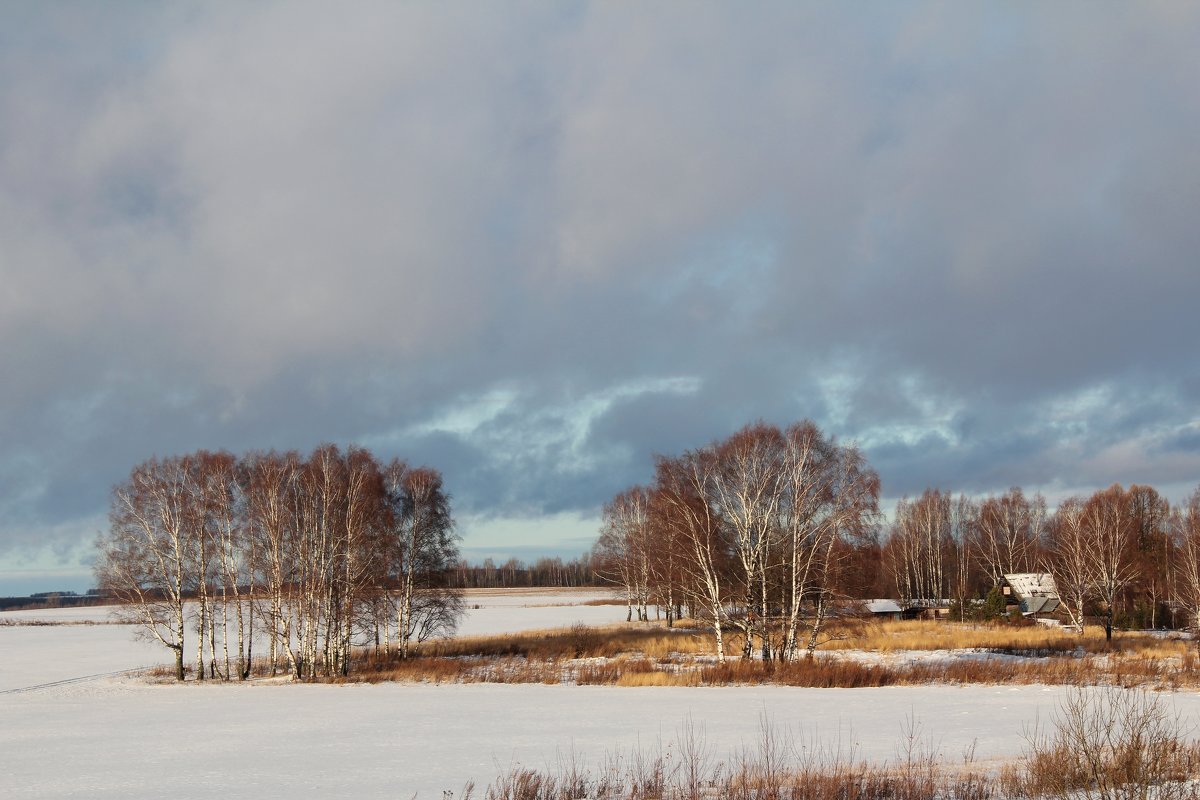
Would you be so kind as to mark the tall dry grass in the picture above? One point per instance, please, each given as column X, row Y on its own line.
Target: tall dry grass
column 891, row 636
column 577, row 641
column 774, row 768
column 1111, row 745
column 653, row 655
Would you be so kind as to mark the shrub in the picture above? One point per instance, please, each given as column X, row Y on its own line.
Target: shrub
column 994, row 606
column 1110, row 744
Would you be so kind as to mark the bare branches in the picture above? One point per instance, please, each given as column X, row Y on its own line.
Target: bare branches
column 752, row 532
column 320, row 546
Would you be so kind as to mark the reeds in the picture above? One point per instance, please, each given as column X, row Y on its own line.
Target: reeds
column 1102, row 745
column 642, row 654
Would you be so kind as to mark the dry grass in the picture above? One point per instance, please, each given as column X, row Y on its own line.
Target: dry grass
column 1102, row 745
column 886, row 637
column 577, row 641
column 642, row 654
column 776, row 769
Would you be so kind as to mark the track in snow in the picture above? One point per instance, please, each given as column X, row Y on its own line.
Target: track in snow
column 80, row 679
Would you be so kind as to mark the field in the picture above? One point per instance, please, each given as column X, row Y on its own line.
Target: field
column 124, row 736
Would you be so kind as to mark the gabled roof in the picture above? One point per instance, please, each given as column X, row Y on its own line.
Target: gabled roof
column 1032, row 584
column 1036, row 591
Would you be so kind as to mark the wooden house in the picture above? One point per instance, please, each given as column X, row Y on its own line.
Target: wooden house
column 1035, row 593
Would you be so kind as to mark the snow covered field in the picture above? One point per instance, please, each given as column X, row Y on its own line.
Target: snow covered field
column 64, row 646
column 120, row 737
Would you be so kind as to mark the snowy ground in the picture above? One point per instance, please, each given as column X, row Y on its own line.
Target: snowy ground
column 49, row 645
column 120, row 737
column 496, row 612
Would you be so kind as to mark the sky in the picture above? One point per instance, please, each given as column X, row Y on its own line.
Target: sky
column 534, row 244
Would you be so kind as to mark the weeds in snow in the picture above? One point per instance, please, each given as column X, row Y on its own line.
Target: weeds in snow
column 1103, row 745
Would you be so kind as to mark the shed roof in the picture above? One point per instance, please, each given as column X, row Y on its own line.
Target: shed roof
column 883, row 606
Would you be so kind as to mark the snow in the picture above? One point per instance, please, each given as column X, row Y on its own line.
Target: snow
column 1032, row 584
column 63, row 643
column 490, row 613
column 40, row 654
column 124, row 737
column 74, row 615
column 883, row 606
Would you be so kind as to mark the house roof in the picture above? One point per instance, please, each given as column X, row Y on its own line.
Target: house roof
column 1032, row 584
column 1038, row 605
column 883, row 607
column 1036, row 591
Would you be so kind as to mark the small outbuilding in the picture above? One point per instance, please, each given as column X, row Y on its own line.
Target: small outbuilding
column 883, row 608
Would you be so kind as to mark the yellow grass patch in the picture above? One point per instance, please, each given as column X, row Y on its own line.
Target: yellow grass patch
column 891, row 636
column 649, row 654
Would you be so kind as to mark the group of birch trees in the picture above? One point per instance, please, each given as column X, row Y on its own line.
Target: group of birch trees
column 1117, row 551
column 751, row 533
column 764, row 533
column 944, row 547
column 319, row 555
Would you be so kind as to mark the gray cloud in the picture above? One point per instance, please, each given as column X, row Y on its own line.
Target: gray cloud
column 535, row 245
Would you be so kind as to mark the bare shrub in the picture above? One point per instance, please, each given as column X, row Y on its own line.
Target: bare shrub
column 1106, row 744
column 582, row 639
column 775, row 768
column 1110, row 744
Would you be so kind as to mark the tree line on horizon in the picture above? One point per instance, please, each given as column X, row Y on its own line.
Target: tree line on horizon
column 322, row 553
column 770, row 531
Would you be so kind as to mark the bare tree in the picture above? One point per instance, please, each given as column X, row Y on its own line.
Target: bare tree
column 964, row 526
column 272, row 481
column 1185, row 529
column 322, row 539
column 850, row 515
column 1109, row 526
column 422, row 529
column 1153, row 554
column 1008, row 531
column 225, row 515
column 1069, row 559
column 747, row 489
column 916, row 551
column 146, row 557
column 623, row 551
column 680, row 501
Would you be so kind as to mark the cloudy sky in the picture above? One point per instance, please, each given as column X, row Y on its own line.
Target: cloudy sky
column 534, row 244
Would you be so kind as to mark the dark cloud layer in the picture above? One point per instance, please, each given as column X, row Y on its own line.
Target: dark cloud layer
column 535, row 245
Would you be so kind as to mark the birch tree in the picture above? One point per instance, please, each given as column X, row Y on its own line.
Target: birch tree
column 917, row 548
column 964, row 525
column 146, row 556
column 1069, row 559
column 1185, row 529
column 680, row 502
column 226, row 519
column 747, row 489
column 1109, row 526
column 424, row 548
column 315, row 546
column 271, row 509
column 623, row 551
column 1009, row 528
column 838, row 506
